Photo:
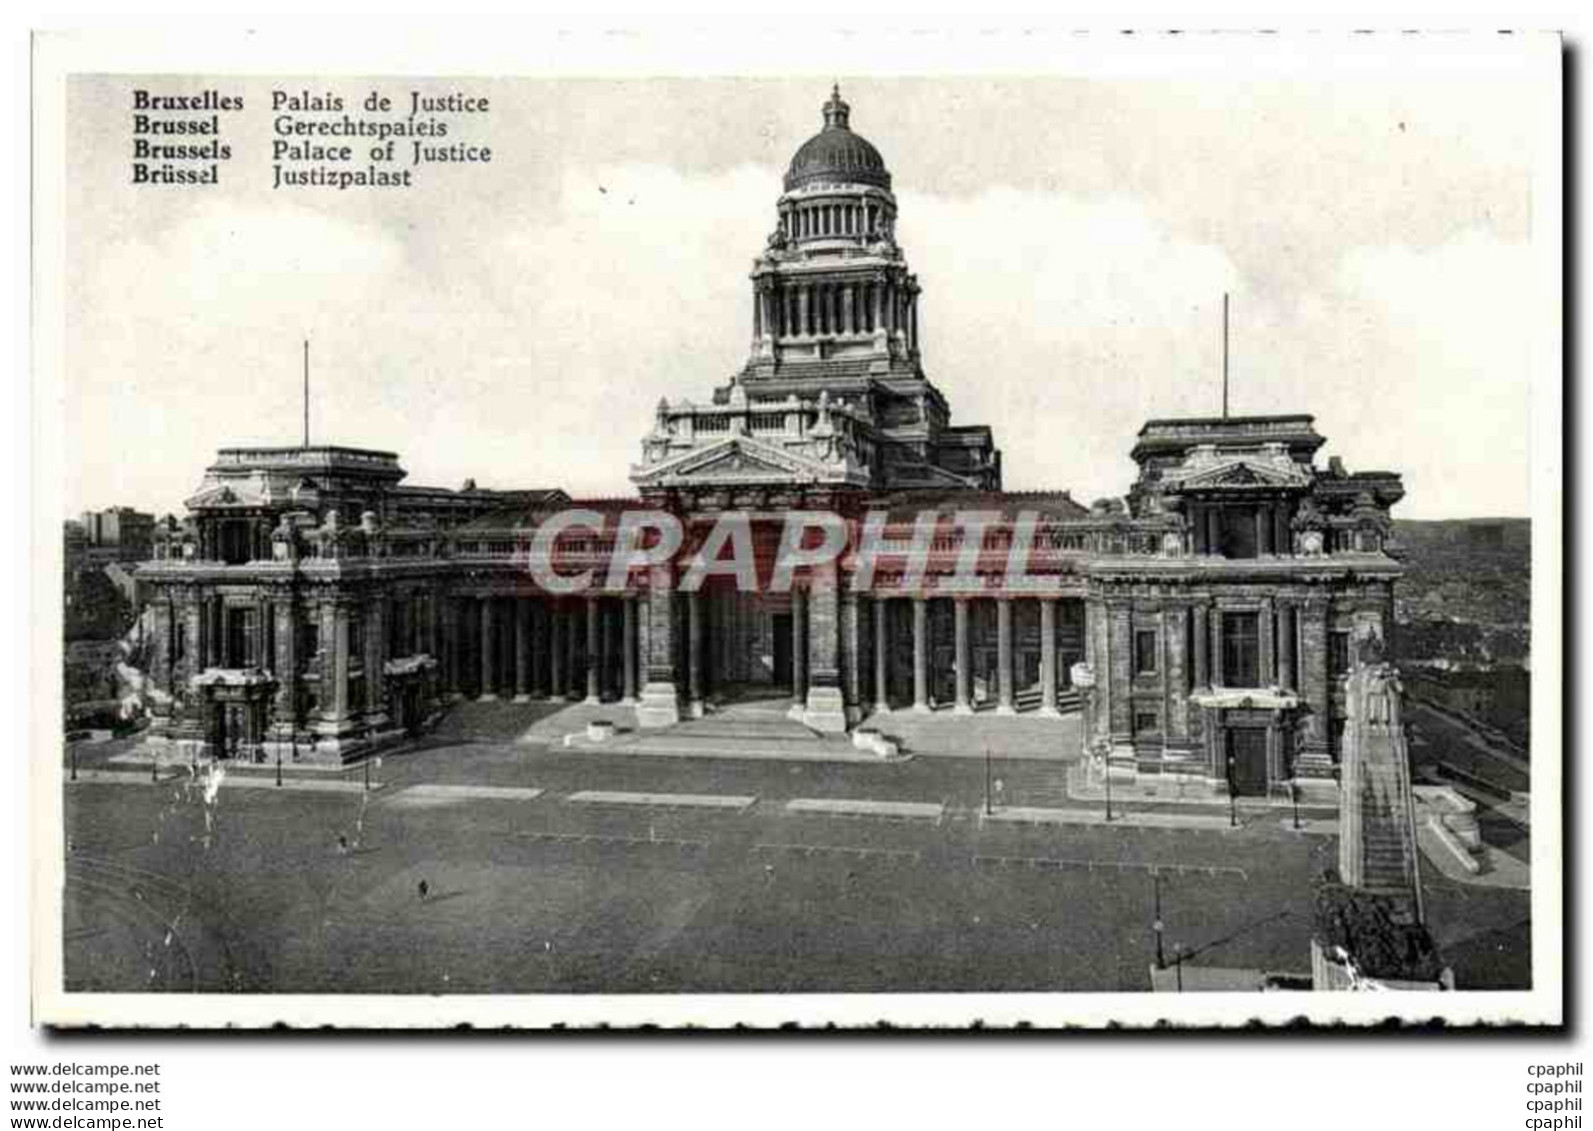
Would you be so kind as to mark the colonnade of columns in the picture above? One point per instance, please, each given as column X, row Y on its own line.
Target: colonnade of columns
column 565, row 649
column 820, row 219
column 1270, row 519
column 1279, row 625
column 798, row 310
column 962, row 653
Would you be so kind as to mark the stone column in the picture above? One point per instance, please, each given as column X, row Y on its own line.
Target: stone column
column 449, row 611
column 824, row 706
column 572, row 650
column 1006, row 704
column 1261, row 529
column 594, row 651
column 1213, row 530
column 1315, row 759
column 375, row 649
column 882, row 699
column 660, row 702
column 920, row 654
column 853, row 655
column 287, row 663
column 1202, row 641
column 962, row 659
column 629, row 644
column 539, row 646
column 340, row 661
column 1268, row 653
column 1216, row 647
column 557, row 676
column 522, row 650
column 426, row 610
column 799, row 648
column 263, row 658
column 1286, row 646
column 199, row 650
column 694, row 644
column 489, row 646
column 1048, row 657
column 218, row 633
column 803, row 309
column 1120, row 652
column 1175, row 674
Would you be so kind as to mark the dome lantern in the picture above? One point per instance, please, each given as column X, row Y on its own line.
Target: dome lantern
column 836, row 154
column 836, row 112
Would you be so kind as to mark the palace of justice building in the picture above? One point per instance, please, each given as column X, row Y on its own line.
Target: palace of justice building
column 313, row 602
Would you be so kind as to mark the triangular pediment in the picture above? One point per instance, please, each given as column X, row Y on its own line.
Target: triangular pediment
column 740, row 460
column 225, row 495
column 735, row 462
column 1241, row 474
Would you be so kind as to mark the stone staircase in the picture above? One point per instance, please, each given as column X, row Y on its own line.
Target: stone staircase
column 1067, row 699
column 498, row 722
column 1385, row 862
column 1377, row 831
column 740, row 728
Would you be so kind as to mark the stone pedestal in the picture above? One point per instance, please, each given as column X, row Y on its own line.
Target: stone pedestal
column 825, row 710
column 659, row 706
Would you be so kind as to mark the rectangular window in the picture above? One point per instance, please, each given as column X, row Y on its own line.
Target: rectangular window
column 1236, row 531
column 1145, row 651
column 1146, row 722
column 240, row 639
column 234, row 542
column 1241, row 649
column 1338, row 653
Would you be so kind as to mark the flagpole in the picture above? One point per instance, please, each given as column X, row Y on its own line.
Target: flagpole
column 1224, row 355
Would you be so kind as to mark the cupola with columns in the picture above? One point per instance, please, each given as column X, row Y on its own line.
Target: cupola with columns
column 832, row 284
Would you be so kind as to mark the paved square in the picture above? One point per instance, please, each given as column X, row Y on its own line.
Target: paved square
column 527, row 890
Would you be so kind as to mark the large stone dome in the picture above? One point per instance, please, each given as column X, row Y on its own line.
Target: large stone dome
column 837, row 155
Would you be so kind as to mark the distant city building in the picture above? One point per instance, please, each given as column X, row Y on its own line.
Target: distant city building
column 74, row 542
column 120, row 533
column 315, row 602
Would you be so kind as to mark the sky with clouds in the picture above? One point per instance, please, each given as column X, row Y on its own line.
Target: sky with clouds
column 516, row 322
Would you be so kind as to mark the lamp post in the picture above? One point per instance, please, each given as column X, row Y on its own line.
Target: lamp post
column 1233, row 809
column 987, row 781
column 1294, row 801
column 1156, row 922
column 72, row 749
column 1106, row 773
column 1178, row 966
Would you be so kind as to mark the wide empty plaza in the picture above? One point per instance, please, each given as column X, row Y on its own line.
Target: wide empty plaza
column 556, row 870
